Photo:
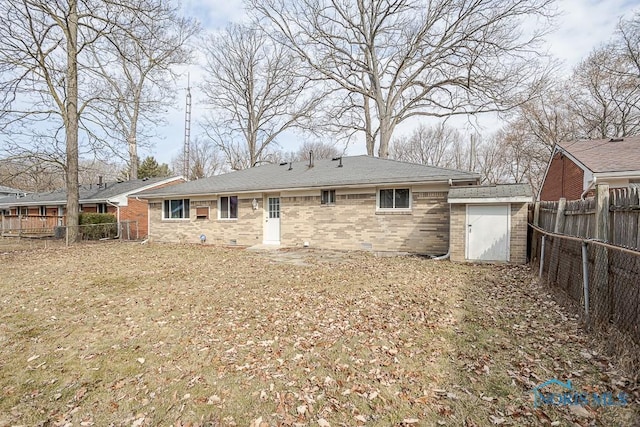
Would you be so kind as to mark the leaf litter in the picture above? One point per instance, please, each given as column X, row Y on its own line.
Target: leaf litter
column 125, row 334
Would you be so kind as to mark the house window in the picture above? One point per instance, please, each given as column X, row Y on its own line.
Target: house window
column 176, row 209
column 328, row 197
column 42, row 211
column 202, row 212
column 101, row 208
column 228, row 207
column 24, row 211
column 394, row 198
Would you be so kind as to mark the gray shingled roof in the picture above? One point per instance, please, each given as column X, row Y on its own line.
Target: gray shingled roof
column 90, row 193
column 606, row 155
column 9, row 190
column 502, row 191
column 355, row 171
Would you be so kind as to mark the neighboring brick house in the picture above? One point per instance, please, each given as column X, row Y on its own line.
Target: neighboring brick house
column 575, row 167
column 7, row 191
column 44, row 211
column 489, row 223
column 350, row 203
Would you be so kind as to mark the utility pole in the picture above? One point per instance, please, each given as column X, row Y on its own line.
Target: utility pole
column 187, row 131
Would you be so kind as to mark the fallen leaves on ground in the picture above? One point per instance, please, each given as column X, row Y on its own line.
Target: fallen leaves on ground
column 126, row 334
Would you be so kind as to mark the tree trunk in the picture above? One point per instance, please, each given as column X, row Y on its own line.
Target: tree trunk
column 133, row 155
column 369, row 138
column 386, row 130
column 71, row 131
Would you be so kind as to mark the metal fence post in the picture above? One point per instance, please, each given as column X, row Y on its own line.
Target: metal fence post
column 541, row 255
column 585, row 282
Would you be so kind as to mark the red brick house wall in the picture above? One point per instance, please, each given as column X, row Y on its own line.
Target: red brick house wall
column 136, row 211
column 564, row 179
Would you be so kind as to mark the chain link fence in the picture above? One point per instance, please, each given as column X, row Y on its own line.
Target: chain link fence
column 602, row 279
column 26, row 237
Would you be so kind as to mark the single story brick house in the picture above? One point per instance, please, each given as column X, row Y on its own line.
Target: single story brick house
column 44, row 211
column 349, row 203
column 576, row 166
column 489, row 223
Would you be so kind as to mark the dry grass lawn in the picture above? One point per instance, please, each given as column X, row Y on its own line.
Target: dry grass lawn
column 137, row 335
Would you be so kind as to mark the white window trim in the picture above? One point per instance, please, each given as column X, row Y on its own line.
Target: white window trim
column 220, row 210
column 164, row 218
column 329, row 190
column 379, row 209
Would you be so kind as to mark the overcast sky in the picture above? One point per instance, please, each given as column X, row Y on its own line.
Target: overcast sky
column 581, row 26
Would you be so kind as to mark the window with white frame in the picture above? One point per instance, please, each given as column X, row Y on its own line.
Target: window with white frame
column 328, row 197
column 102, row 208
column 228, row 207
column 176, row 209
column 394, row 198
column 42, row 210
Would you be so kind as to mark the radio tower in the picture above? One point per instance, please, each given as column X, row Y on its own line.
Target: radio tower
column 187, row 131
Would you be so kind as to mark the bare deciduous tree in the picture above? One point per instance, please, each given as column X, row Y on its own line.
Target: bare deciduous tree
column 606, row 86
column 205, row 160
column 428, row 145
column 39, row 59
column 321, row 150
column 255, row 93
column 406, row 58
column 137, row 66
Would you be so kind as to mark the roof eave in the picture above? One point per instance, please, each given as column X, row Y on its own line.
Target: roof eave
column 402, row 181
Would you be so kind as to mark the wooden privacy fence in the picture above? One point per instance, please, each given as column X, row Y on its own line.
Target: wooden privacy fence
column 30, row 225
column 590, row 250
column 612, row 216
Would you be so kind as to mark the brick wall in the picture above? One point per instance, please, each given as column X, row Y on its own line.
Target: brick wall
column 352, row 223
column 517, row 234
column 564, row 179
column 458, row 232
column 136, row 210
column 246, row 230
column 518, row 241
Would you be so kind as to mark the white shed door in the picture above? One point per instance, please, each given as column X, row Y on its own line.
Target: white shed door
column 488, row 232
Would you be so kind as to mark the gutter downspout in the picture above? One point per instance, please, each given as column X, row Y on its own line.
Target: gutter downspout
column 117, row 217
column 589, row 187
column 448, row 254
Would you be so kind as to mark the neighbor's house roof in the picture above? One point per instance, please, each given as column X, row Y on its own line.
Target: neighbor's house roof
column 355, row 171
column 91, row 193
column 620, row 156
column 515, row 193
column 9, row 190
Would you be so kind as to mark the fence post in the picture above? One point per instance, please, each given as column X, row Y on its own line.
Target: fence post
column 602, row 212
column 585, row 283
column 542, row 255
column 601, row 267
column 562, row 205
column 536, row 222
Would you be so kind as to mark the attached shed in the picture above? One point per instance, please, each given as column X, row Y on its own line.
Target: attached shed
column 489, row 223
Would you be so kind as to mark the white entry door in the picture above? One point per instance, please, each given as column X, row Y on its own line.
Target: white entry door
column 272, row 221
column 488, row 232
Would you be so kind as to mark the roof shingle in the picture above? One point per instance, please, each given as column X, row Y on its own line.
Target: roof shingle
column 90, row 193
column 500, row 191
column 355, row 170
column 606, row 155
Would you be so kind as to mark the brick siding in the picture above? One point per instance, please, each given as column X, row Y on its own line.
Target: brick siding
column 564, row 179
column 351, row 224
